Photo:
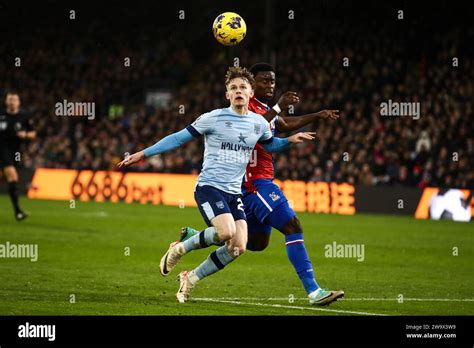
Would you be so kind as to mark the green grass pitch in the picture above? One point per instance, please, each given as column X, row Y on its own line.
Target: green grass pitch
column 82, row 253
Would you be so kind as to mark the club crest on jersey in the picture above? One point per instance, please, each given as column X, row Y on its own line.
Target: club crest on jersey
column 274, row 196
column 256, row 129
column 17, row 126
column 220, row 205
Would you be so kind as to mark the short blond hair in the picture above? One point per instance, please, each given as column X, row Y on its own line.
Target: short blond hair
column 237, row 72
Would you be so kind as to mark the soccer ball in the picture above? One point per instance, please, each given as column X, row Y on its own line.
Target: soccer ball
column 229, row 28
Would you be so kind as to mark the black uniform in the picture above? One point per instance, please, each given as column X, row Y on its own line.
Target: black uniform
column 10, row 143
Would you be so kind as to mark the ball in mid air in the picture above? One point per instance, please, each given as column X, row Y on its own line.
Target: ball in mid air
column 229, row 28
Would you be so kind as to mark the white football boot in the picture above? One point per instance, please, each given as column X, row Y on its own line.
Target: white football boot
column 171, row 258
column 323, row 297
column 185, row 286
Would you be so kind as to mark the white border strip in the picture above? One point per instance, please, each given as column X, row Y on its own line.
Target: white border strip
column 284, row 306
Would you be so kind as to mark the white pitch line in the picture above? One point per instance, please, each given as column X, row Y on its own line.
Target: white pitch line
column 284, row 306
column 346, row 299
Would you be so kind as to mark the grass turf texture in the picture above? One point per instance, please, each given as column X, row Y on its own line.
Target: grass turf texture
column 82, row 252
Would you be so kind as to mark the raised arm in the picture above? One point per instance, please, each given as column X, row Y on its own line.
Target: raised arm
column 288, row 124
column 166, row 144
column 286, row 99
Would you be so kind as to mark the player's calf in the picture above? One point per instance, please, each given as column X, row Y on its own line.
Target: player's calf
column 12, row 178
column 258, row 241
column 193, row 239
column 237, row 245
column 284, row 219
column 236, row 250
column 293, row 226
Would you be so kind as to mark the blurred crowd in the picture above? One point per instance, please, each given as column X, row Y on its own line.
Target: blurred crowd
column 361, row 147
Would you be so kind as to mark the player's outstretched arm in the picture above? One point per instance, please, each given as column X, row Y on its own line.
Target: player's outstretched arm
column 288, row 124
column 166, row 144
column 276, row 144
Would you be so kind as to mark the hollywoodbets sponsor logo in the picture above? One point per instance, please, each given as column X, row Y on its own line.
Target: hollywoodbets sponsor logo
column 235, row 147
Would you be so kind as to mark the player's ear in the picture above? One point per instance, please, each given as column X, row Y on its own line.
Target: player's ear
column 251, row 92
column 227, row 95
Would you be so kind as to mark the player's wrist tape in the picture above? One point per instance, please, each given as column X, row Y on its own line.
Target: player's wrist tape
column 277, row 108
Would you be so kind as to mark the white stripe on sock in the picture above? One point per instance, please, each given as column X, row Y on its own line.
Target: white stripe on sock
column 295, row 241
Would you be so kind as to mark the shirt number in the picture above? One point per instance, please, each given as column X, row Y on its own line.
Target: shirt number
column 240, row 206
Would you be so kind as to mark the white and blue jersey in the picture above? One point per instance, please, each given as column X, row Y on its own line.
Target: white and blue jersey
column 229, row 140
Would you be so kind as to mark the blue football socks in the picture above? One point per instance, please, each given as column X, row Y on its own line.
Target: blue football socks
column 298, row 256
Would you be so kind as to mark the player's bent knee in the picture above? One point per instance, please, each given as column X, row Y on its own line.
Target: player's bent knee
column 225, row 226
column 226, row 232
column 293, row 226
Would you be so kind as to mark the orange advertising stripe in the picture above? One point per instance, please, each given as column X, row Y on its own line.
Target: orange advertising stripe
column 173, row 189
column 167, row 189
column 423, row 208
column 319, row 197
column 295, row 191
column 342, row 199
column 52, row 184
column 100, row 186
